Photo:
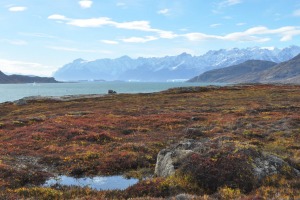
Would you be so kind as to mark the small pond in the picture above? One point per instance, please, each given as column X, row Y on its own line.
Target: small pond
column 97, row 183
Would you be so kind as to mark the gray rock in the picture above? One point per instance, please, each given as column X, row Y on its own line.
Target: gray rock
column 167, row 158
column 186, row 197
column 111, row 92
column 241, row 158
column 20, row 102
column 166, row 161
column 267, row 165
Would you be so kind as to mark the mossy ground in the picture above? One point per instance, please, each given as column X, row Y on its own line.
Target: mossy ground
column 123, row 133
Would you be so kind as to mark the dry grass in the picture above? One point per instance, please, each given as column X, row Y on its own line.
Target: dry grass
column 122, row 133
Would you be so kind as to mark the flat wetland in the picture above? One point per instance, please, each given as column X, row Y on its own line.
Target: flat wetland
column 121, row 134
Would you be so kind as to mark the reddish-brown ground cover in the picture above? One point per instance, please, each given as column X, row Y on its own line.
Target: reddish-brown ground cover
column 120, row 133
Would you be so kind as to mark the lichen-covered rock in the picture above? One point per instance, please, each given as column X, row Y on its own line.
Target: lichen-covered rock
column 212, row 163
column 269, row 164
column 167, row 159
column 20, row 102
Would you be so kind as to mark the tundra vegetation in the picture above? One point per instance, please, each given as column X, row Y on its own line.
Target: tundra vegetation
column 123, row 134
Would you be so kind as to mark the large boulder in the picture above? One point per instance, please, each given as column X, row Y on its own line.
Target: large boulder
column 212, row 163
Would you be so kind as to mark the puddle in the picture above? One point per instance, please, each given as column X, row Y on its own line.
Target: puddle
column 97, row 183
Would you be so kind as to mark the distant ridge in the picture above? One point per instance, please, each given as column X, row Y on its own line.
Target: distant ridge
column 5, row 79
column 245, row 72
column 285, row 72
column 168, row 68
column 255, row 71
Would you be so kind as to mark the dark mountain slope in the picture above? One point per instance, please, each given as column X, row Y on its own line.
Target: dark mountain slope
column 245, row 72
column 5, row 79
column 286, row 72
column 255, row 71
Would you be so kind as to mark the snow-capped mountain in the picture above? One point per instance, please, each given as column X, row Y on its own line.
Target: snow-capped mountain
column 181, row 67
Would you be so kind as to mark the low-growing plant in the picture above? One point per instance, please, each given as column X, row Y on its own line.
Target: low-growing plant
column 228, row 193
column 232, row 170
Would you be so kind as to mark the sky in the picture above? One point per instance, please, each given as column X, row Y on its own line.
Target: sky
column 39, row 36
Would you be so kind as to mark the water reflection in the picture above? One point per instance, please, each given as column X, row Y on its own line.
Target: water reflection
column 98, row 182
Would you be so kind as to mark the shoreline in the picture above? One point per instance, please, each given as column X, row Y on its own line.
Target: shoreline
column 183, row 88
column 60, row 98
column 16, row 92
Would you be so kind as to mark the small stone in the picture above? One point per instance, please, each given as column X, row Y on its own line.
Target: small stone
column 21, row 102
column 195, row 118
column 112, row 92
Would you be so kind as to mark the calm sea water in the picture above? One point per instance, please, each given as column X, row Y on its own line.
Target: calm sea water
column 12, row 92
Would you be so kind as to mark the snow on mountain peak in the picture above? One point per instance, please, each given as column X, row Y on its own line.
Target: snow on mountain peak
column 183, row 66
column 175, row 67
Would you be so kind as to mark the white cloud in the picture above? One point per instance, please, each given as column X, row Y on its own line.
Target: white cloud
column 296, row 13
column 227, row 17
column 215, row 25
column 57, row 17
column 184, row 29
column 17, row 8
column 255, row 34
column 85, row 3
column 200, row 36
column 165, row 11
column 139, row 39
column 241, row 24
column 101, row 21
column 121, row 4
column 14, row 42
column 223, row 4
column 226, row 3
column 18, row 42
column 59, row 48
column 109, row 42
column 93, row 22
column 104, row 21
column 134, row 25
column 259, row 30
column 244, row 37
column 289, row 35
column 233, row 2
column 167, row 34
column 23, row 67
column 40, row 35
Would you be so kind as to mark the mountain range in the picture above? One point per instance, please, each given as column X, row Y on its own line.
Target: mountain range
column 6, row 79
column 169, row 68
column 255, row 71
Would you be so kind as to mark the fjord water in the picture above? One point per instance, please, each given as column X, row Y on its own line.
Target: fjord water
column 12, row 92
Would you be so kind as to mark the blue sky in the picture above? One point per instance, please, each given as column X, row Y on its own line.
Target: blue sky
column 39, row 36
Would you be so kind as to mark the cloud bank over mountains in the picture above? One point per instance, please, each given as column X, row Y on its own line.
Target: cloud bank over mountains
column 64, row 30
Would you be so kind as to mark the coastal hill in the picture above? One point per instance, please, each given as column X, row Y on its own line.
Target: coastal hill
column 286, row 72
column 255, row 71
column 244, row 72
column 168, row 68
column 9, row 79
